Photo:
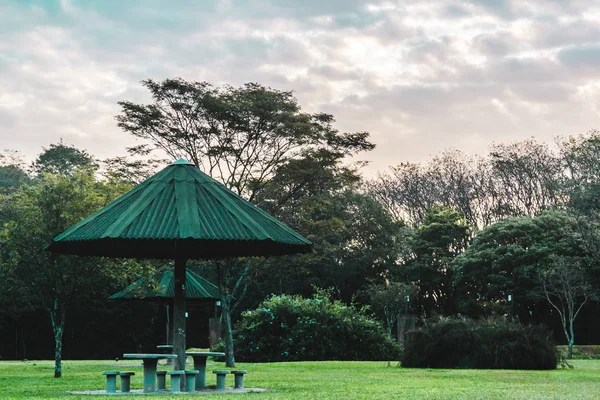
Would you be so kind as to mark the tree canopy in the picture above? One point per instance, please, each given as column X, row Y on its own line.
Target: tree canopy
column 239, row 135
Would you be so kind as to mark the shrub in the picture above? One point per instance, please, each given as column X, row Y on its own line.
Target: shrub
column 491, row 344
column 582, row 352
column 292, row 328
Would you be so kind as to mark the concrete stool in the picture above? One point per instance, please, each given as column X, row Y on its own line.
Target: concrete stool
column 221, row 374
column 190, row 380
column 161, row 380
column 126, row 381
column 176, row 380
column 111, row 381
column 239, row 378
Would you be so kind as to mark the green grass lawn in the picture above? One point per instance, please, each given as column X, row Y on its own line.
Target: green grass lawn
column 321, row 380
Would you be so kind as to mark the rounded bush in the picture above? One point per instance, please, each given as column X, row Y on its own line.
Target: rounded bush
column 482, row 345
column 292, row 328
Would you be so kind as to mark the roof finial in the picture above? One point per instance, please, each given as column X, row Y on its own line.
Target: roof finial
column 181, row 161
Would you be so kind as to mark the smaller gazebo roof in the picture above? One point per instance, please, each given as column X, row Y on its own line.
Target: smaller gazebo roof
column 161, row 288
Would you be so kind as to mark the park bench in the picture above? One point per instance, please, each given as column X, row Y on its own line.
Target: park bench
column 239, row 378
column 221, row 374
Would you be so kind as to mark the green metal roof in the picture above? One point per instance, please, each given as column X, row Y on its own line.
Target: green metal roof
column 180, row 212
column 161, row 287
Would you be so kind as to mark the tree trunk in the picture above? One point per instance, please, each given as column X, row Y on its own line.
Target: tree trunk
column 57, row 317
column 570, row 350
column 572, row 332
column 178, row 335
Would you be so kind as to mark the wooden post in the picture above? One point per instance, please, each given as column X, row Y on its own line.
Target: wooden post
column 178, row 335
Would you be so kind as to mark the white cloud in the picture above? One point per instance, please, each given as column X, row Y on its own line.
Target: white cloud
column 421, row 76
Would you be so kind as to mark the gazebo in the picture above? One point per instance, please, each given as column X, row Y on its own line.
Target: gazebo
column 160, row 288
column 180, row 213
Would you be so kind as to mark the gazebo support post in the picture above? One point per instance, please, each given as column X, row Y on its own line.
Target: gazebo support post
column 222, row 269
column 179, row 315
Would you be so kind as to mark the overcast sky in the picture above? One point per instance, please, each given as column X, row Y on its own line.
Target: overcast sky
column 421, row 76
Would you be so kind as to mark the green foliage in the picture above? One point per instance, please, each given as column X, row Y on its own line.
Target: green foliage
column 32, row 278
column 292, row 328
column 490, row 344
column 12, row 171
column 62, row 159
column 581, row 157
column 508, row 257
column 390, row 299
column 242, row 136
column 239, row 135
column 354, row 241
column 443, row 235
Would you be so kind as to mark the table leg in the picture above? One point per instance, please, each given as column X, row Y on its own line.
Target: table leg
column 150, row 374
column 200, row 365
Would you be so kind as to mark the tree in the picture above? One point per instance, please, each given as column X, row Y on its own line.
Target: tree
column 33, row 215
column 354, row 241
column 451, row 179
column 242, row 136
column 520, row 178
column 390, row 299
column 443, row 235
column 130, row 171
column 529, row 174
column 237, row 135
column 12, row 172
column 507, row 258
column 62, row 159
column 581, row 181
column 566, row 286
column 406, row 192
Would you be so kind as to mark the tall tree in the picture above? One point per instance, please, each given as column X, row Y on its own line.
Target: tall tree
column 237, row 135
column 529, row 173
column 12, row 171
column 406, row 192
column 131, row 171
column 242, row 136
column 520, row 178
column 33, row 215
column 443, row 235
column 507, row 258
column 354, row 238
column 581, row 181
column 566, row 286
column 390, row 299
column 62, row 159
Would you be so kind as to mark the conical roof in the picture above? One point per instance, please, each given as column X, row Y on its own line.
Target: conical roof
column 180, row 212
column 162, row 288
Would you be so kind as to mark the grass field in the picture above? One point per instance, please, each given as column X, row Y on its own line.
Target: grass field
column 321, row 380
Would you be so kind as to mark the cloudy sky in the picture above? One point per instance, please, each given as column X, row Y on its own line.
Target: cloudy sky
column 421, row 76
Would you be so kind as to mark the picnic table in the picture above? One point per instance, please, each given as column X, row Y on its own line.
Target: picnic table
column 200, row 365
column 149, row 361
